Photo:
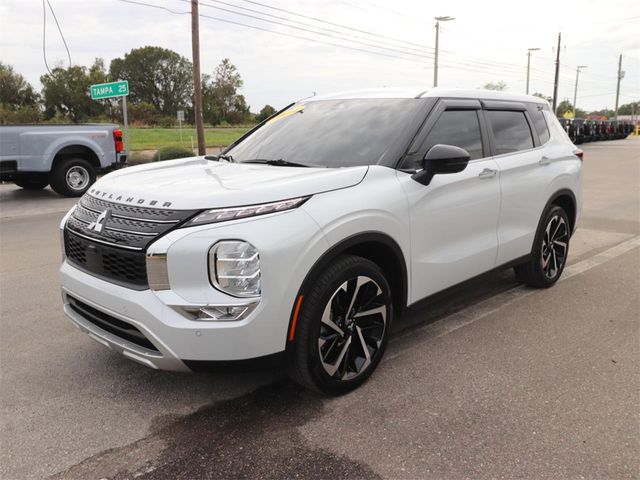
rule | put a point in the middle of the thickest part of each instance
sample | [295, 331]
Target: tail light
[117, 138]
[578, 153]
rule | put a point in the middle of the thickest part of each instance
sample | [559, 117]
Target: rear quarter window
[539, 123]
[511, 131]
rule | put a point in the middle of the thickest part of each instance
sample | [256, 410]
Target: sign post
[180, 120]
[110, 90]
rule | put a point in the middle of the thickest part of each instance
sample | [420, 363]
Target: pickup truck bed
[67, 157]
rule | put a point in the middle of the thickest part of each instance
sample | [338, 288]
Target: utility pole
[575, 91]
[555, 81]
[197, 79]
[620, 77]
[529, 50]
[435, 58]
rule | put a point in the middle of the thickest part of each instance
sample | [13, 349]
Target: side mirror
[442, 159]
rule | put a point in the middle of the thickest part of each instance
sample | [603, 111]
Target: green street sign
[109, 90]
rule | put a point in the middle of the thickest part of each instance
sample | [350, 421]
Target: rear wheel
[72, 177]
[343, 327]
[33, 181]
[550, 250]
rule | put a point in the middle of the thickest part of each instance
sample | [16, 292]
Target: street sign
[109, 90]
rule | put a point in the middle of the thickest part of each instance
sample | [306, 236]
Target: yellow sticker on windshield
[291, 111]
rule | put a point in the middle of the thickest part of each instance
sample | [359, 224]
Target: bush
[171, 152]
[143, 113]
[28, 114]
[166, 121]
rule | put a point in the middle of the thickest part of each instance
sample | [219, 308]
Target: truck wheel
[72, 177]
[32, 181]
[342, 327]
[550, 249]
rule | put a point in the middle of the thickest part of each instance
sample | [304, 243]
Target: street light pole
[556, 77]
[435, 58]
[575, 91]
[620, 77]
[529, 50]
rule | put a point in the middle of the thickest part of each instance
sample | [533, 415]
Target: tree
[499, 86]
[629, 109]
[566, 107]
[221, 101]
[158, 76]
[265, 113]
[605, 112]
[65, 92]
[15, 91]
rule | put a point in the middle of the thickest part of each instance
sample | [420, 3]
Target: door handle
[545, 161]
[487, 173]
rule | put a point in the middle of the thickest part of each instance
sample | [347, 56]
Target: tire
[35, 181]
[340, 363]
[550, 250]
[72, 177]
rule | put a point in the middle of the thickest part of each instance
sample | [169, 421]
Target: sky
[391, 45]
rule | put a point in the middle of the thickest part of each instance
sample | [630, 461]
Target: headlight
[224, 214]
[234, 268]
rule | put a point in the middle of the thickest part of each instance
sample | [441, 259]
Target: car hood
[194, 183]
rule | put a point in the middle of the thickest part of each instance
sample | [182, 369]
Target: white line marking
[491, 305]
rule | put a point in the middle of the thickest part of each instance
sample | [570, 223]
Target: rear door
[524, 173]
[454, 218]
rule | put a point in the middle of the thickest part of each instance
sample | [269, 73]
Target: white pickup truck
[67, 157]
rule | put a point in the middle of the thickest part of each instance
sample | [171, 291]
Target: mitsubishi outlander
[312, 233]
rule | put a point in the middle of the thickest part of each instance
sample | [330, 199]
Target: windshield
[334, 133]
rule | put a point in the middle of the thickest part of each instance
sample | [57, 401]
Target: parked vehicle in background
[67, 157]
[309, 235]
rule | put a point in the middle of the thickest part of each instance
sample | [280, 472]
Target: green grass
[154, 138]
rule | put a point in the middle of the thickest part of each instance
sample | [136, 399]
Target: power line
[254, 27]
[421, 50]
[334, 24]
[44, 34]
[396, 50]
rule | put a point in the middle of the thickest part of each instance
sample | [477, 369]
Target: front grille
[115, 248]
[110, 324]
[124, 267]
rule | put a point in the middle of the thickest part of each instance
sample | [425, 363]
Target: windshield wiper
[221, 156]
[278, 162]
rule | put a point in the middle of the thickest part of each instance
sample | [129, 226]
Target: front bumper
[179, 341]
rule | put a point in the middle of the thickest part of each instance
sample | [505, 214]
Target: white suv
[303, 242]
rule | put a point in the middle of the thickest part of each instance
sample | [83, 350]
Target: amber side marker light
[294, 320]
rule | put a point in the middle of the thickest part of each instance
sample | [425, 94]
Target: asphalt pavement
[494, 380]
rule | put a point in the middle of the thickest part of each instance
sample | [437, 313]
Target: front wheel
[343, 327]
[550, 250]
[72, 177]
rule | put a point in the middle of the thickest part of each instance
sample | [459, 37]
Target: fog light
[219, 313]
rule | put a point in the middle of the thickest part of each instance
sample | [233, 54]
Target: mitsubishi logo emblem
[98, 225]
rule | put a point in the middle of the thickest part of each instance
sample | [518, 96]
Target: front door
[454, 218]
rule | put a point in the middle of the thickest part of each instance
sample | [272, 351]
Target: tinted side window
[511, 131]
[459, 128]
[539, 123]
